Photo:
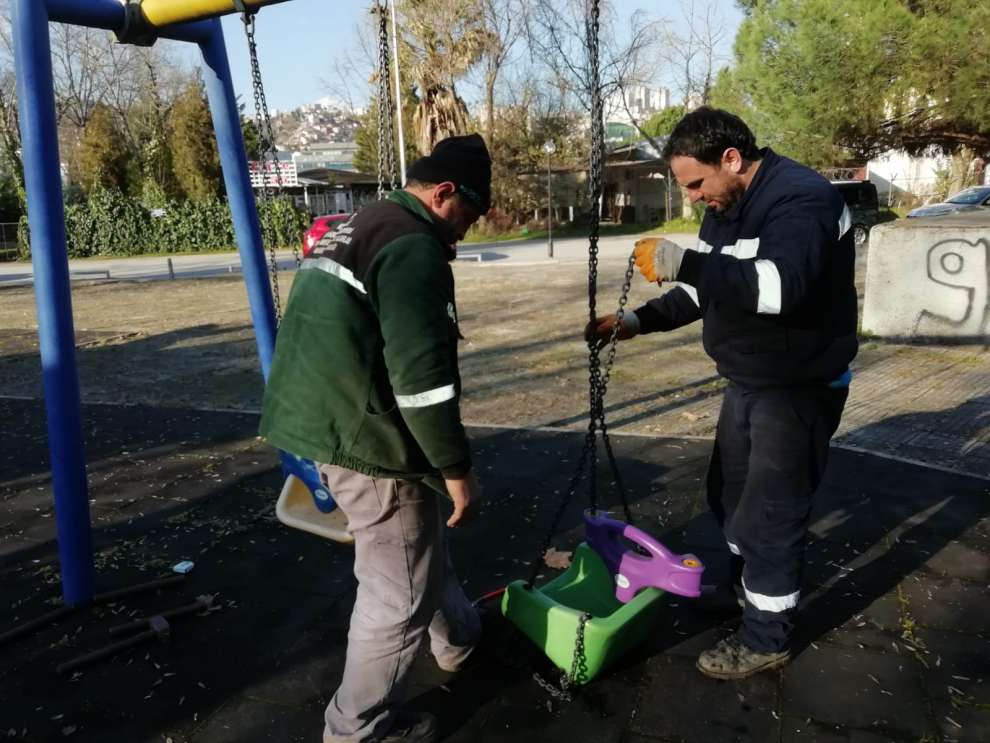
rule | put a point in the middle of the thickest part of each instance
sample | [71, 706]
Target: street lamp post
[549, 147]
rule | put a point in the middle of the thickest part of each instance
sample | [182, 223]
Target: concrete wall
[929, 278]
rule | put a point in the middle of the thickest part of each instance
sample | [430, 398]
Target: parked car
[971, 199]
[864, 206]
[320, 227]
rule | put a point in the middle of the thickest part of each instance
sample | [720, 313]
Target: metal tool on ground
[158, 627]
[100, 598]
[202, 603]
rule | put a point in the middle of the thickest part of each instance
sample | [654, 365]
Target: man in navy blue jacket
[772, 279]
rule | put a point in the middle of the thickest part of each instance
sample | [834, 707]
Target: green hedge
[111, 223]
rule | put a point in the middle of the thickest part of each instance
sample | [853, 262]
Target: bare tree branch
[695, 53]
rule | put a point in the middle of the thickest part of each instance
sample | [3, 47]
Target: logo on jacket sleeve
[451, 312]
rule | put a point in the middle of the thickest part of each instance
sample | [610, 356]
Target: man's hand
[658, 260]
[466, 494]
[600, 331]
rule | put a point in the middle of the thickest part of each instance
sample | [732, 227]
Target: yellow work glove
[658, 260]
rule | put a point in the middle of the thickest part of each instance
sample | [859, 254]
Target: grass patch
[675, 225]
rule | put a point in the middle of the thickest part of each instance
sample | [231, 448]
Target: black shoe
[412, 727]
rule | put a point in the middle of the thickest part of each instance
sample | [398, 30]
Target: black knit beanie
[463, 161]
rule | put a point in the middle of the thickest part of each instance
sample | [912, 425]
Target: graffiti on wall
[957, 293]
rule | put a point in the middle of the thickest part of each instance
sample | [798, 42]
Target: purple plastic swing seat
[679, 574]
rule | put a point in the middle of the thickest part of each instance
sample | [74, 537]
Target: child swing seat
[620, 588]
[306, 504]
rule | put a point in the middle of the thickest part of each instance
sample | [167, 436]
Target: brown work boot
[731, 659]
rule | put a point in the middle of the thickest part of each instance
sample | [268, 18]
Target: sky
[301, 43]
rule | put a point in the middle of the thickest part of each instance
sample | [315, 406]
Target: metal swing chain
[579, 668]
[595, 178]
[598, 377]
[269, 153]
[386, 138]
[599, 374]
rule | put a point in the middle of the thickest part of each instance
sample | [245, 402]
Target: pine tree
[101, 159]
[193, 145]
[662, 123]
[832, 81]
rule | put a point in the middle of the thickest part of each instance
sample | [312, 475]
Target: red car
[320, 227]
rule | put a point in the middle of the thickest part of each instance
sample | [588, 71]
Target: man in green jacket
[365, 382]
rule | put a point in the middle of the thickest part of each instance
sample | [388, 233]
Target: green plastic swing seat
[549, 616]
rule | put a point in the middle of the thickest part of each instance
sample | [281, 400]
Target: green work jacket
[365, 368]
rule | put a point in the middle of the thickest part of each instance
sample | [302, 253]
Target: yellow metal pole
[161, 13]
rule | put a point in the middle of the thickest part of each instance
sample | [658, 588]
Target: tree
[662, 123]
[520, 132]
[366, 136]
[147, 120]
[193, 144]
[441, 41]
[10, 137]
[695, 53]
[558, 41]
[834, 81]
[253, 142]
[504, 27]
[101, 159]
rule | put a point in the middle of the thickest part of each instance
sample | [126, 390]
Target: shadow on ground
[894, 614]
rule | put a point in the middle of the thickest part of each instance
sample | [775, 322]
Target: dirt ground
[898, 557]
[190, 344]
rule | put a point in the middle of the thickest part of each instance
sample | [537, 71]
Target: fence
[8, 241]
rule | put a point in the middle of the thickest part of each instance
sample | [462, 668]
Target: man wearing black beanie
[365, 382]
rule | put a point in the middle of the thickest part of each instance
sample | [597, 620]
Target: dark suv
[864, 205]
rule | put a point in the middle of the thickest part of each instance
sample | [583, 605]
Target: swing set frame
[139, 22]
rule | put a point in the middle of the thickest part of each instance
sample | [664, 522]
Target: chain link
[268, 154]
[579, 663]
[386, 113]
[561, 691]
[598, 373]
[598, 376]
[595, 178]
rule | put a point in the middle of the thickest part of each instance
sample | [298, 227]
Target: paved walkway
[156, 267]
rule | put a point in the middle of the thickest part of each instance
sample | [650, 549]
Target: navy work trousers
[770, 451]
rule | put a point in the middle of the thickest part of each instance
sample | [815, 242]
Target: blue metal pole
[108, 14]
[233, 157]
[56, 335]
